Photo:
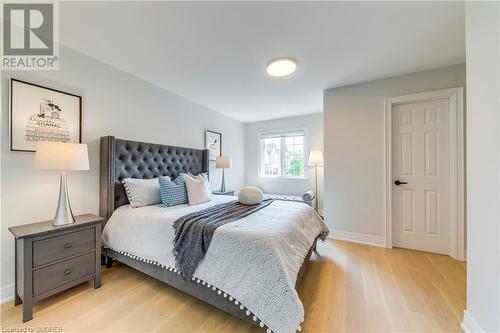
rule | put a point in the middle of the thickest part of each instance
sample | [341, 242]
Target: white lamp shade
[223, 162]
[61, 156]
[315, 157]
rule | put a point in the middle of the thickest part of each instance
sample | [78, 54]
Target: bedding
[197, 190]
[173, 193]
[142, 192]
[204, 175]
[194, 232]
[250, 195]
[255, 259]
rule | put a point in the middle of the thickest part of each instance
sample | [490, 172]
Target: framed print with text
[39, 113]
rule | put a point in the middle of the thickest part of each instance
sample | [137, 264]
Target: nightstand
[51, 259]
[230, 192]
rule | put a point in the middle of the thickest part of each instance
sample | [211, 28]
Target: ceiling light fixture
[281, 67]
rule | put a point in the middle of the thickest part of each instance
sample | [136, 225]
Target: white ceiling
[215, 53]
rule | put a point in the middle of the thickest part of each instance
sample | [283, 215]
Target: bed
[231, 276]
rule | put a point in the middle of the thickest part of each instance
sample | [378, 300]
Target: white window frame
[281, 132]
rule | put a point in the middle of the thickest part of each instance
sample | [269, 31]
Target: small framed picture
[213, 142]
[39, 113]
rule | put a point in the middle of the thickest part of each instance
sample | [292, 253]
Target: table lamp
[316, 158]
[223, 162]
[63, 157]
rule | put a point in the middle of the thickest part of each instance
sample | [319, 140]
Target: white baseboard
[358, 238]
[7, 293]
[469, 325]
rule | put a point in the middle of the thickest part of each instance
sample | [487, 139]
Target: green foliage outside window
[296, 165]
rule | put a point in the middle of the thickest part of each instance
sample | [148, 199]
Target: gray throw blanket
[194, 232]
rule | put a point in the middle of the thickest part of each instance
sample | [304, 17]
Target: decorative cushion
[250, 195]
[205, 176]
[197, 190]
[173, 193]
[142, 192]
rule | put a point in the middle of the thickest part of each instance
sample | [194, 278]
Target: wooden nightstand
[230, 192]
[51, 259]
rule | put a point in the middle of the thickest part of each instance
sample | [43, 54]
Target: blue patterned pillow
[173, 193]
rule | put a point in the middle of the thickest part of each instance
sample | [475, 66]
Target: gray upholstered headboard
[125, 158]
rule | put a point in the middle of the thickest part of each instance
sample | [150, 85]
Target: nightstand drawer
[59, 274]
[60, 247]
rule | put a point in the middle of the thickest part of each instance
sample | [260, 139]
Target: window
[282, 154]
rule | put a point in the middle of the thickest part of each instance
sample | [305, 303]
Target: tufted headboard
[125, 158]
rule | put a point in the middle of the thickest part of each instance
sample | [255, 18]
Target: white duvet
[254, 260]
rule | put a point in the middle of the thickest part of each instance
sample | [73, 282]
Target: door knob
[397, 182]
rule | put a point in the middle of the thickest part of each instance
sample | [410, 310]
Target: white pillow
[198, 191]
[250, 195]
[142, 192]
[205, 176]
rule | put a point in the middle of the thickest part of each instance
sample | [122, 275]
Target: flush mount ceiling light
[281, 67]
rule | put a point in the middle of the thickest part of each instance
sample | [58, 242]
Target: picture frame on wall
[39, 113]
[213, 142]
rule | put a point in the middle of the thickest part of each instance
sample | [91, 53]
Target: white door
[420, 175]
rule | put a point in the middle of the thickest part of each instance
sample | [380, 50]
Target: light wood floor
[347, 288]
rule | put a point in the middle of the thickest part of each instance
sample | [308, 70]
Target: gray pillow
[142, 192]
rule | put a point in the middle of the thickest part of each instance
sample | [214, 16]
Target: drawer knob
[67, 272]
[67, 245]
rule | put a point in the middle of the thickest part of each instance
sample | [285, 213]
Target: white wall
[314, 125]
[115, 103]
[354, 146]
[483, 167]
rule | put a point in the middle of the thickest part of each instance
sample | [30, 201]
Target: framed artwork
[39, 113]
[213, 142]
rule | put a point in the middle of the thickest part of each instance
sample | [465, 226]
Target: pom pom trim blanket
[255, 259]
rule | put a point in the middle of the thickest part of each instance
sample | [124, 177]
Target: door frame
[457, 164]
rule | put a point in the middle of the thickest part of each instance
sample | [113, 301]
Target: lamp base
[64, 214]
[223, 185]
